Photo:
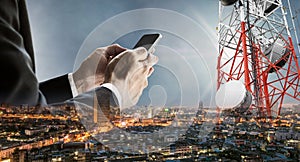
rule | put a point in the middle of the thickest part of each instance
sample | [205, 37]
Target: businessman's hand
[129, 72]
[91, 72]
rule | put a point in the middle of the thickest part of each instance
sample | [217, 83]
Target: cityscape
[37, 134]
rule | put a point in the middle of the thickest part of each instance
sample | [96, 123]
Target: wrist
[78, 82]
[72, 85]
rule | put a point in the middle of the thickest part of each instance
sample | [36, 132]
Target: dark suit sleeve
[102, 98]
[56, 89]
[18, 83]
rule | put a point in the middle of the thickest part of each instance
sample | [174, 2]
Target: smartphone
[149, 41]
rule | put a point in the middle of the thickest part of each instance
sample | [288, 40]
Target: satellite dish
[228, 2]
[233, 95]
[269, 6]
[275, 53]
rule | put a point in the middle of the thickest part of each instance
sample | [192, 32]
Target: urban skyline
[37, 133]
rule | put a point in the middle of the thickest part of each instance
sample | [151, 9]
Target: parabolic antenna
[256, 48]
[276, 53]
[233, 95]
[228, 2]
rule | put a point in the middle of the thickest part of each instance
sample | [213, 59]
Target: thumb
[112, 65]
[114, 50]
[140, 53]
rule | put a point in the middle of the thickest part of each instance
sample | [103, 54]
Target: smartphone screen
[148, 41]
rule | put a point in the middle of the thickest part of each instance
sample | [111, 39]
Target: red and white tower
[256, 49]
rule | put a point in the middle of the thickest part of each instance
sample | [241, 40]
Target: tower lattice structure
[256, 47]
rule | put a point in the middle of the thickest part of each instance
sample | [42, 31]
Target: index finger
[151, 60]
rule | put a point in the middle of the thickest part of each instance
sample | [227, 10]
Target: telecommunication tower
[256, 57]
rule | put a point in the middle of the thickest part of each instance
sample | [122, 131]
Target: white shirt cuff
[72, 84]
[115, 90]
